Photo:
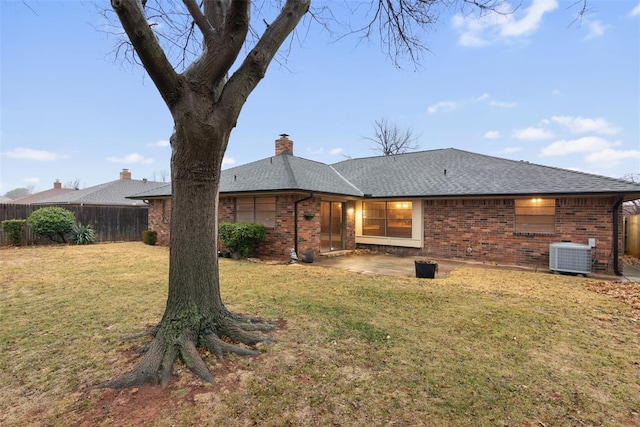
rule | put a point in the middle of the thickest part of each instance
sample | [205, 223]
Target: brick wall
[280, 239]
[483, 230]
[479, 230]
[160, 219]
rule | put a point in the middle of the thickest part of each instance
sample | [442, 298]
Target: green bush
[83, 234]
[241, 237]
[150, 237]
[53, 223]
[12, 229]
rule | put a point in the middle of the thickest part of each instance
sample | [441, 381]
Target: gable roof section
[416, 174]
[452, 172]
[112, 193]
[41, 195]
[286, 172]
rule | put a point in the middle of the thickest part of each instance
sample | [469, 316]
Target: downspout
[295, 220]
[616, 249]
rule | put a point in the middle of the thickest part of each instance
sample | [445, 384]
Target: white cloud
[609, 157]
[30, 154]
[336, 151]
[228, 161]
[469, 39]
[587, 144]
[503, 24]
[502, 104]
[635, 11]
[131, 158]
[492, 134]
[583, 125]
[161, 143]
[556, 92]
[316, 152]
[32, 180]
[510, 150]
[443, 106]
[595, 28]
[448, 106]
[532, 133]
[530, 21]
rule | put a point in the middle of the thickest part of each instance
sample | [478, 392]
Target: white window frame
[417, 223]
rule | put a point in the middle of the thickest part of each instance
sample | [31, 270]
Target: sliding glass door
[332, 226]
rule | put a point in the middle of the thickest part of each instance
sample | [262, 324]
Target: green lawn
[479, 347]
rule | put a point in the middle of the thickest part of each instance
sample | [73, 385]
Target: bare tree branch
[148, 49]
[254, 67]
[204, 25]
[389, 139]
[225, 47]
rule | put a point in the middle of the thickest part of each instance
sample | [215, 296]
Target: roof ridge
[289, 170]
[346, 180]
[382, 156]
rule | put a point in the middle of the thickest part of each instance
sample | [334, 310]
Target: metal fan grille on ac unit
[570, 258]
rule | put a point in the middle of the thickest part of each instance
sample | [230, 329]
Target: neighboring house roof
[5, 200]
[110, 193]
[435, 173]
[42, 195]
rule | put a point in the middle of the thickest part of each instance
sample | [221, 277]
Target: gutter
[616, 249]
[295, 220]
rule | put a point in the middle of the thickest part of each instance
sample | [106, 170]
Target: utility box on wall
[570, 258]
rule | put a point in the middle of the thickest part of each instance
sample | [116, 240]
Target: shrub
[12, 229]
[241, 237]
[150, 237]
[83, 234]
[53, 223]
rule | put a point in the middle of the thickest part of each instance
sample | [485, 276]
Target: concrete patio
[393, 265]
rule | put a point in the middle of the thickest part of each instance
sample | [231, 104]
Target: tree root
[149, 332]
[156, 364]
[250, 323]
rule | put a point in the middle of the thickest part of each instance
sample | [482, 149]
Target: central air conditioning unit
[570, 258]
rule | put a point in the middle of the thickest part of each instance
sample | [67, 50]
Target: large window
[261, 210]
[535, 216]
[387, 219]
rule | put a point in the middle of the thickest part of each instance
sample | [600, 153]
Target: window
[535, 216]
[387, 219]
[261, 210]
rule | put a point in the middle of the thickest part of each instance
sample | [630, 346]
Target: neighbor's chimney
[125, 174]
[57, 185]
[284, 145]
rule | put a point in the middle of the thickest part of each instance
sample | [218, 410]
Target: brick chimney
[284, 145]
[125, 174]
[57, 185]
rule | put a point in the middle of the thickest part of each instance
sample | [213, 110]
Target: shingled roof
[456, 173]
[113, 193]
[57, 190]
[435, 173]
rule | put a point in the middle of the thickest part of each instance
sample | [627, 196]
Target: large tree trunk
[195, 315]
[205, 104]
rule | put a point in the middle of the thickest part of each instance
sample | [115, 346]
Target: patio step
[335, 253]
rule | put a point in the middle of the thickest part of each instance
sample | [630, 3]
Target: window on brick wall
[387, 219]
[535, 216]
[260, 210]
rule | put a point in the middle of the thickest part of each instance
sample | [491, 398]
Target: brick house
[444, 203]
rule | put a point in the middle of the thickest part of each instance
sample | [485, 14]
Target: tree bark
[204, 116]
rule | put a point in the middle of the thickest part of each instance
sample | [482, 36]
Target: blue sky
[530, 86]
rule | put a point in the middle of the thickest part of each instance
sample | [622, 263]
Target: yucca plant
[83, 234]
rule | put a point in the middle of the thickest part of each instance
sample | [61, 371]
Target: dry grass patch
[479, 347]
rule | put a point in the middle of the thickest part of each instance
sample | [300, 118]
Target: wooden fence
[111, 223]
[632, 235]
